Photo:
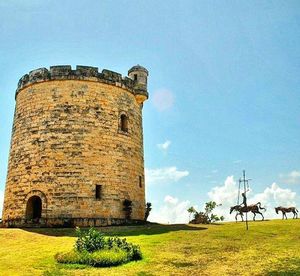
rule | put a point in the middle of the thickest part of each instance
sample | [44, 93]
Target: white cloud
[162, 99]
[271, 197]
[274, 196]
[291, 178]
[164, 175]
[171, 200]
[172, 211]
[1, 201]
[226, 193]
[164, 147]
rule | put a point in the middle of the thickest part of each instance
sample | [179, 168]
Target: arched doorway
[34, 208]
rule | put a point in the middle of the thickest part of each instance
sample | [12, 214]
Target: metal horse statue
[287, 210]
[254, 208]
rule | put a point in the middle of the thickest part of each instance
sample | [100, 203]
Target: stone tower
[77, 148]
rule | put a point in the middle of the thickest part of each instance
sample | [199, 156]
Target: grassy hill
[268, 248]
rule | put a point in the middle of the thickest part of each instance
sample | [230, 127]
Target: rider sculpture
[243, 208]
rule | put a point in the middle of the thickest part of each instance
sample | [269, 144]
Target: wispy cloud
[237, 161]
[163, 99]
[172, 211]
[164, 175]
[291, 178]
[164, 147]
[274, 196]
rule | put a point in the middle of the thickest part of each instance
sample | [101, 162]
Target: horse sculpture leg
[254, 216]
[242, 216]
[295, 214]
[261, 215]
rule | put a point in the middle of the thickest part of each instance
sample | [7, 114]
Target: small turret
[139, 75]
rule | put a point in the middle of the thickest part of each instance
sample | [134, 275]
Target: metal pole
[245, 191]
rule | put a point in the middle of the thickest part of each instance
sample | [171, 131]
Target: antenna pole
[244, 194]
[245, 191]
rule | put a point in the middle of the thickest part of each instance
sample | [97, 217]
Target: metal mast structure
[245, 183]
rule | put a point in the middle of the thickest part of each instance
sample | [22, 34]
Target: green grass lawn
[268, 248]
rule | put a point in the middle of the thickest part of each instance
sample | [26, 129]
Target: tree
[191, 210]
[207, 216]
[148, 209]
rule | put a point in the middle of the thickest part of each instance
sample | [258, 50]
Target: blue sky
[223, 84]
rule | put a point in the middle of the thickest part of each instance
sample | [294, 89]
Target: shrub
[92, 248]
[133, 251]
[147, 211]
[90, 241]
[72, 257]
[108, 258]
[101, 258]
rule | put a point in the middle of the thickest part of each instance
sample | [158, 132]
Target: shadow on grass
[147, 229]
[251, 220]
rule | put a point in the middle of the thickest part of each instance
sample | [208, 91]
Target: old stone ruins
[77, 148]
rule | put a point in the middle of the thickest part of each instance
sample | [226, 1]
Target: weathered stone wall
[67, 139]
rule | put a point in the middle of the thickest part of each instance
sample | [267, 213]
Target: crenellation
[60, 71]
[23, 80]
[88, 73]
[38, 75]
[111, 75]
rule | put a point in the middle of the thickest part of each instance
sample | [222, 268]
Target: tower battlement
[136, 86]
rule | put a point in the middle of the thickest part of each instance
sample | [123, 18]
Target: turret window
[135, 77]
[124, 123]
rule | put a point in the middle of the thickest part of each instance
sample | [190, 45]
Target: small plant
[148, 210]
[93, 248]
[90, 241]
[127, 208]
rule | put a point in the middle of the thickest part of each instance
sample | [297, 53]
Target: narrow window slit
[98, 193]
[124, 123]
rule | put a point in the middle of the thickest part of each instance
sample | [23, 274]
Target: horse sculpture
[287, 210]
[254, 208]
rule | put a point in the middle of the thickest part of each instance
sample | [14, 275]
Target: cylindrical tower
[77, 148]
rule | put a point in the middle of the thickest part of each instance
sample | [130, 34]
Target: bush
[92, 248]
[90, 241]
[147, 211]
[108, 258]
[133, 251]
[72, 257]
[101, 258]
